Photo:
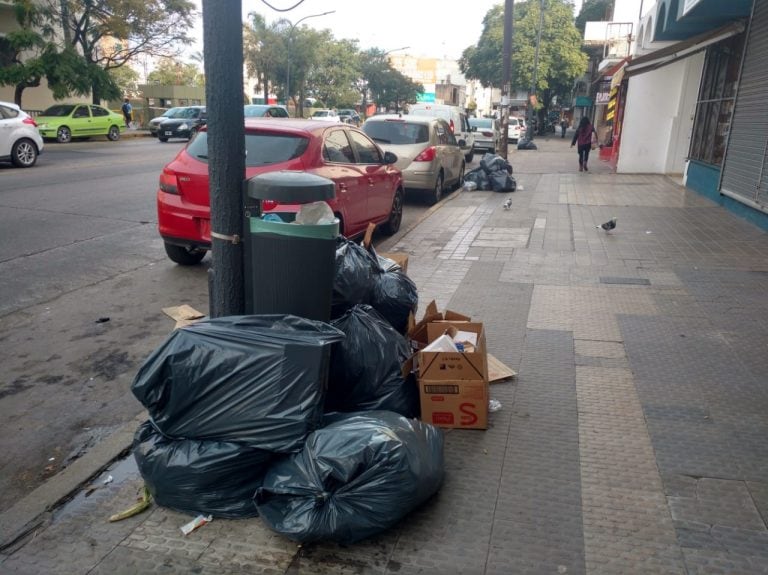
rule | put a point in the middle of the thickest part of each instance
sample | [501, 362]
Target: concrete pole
[509, 16]
[535, 80]
[223, 57]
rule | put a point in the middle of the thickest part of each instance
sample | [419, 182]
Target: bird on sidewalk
[508, 204]
[609, 225]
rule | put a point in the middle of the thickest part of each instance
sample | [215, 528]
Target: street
[84, 280]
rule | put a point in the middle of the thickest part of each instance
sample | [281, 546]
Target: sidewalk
[633, 439]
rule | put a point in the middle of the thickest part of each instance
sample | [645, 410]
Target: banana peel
[141, 505]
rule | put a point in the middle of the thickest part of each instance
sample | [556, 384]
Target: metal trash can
[289, 267]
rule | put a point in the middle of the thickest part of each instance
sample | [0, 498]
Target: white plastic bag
[315, 213]
[442, 343]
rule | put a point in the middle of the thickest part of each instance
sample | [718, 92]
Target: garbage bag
[354, 276]
[526, 144]
[501, 181]
[395, 296]
[492, 163]
[257, 380]
[479, 177]
[355, 477]
[366, 366]
[200, 476]
[385, 264]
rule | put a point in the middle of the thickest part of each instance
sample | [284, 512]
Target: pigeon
[609, 225]
[508, 203]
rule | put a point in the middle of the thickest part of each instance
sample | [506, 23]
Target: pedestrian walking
[127, 112]
[586, 137]
[563, 127]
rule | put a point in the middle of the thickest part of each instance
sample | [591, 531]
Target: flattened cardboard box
[465, 366]
[454, 404]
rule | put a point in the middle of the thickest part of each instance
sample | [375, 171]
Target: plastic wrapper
[315, 213]
[479, 178]
[258, 380]
[395, 296]
[470, 186]
[200, 476]
[354, 478]
[354, 277]
[366, 367]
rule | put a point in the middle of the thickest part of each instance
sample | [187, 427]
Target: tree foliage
[170, 72]
[593, 11]
[561, 58]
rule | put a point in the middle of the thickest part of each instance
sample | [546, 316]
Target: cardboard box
[400, 258]
[454, 404]
[470, 365]
[417, 332]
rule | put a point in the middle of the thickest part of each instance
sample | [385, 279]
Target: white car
[20, 141]
[325, 116]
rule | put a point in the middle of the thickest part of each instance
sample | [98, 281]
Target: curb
[34, 510]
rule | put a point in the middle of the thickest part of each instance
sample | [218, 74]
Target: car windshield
[321, 114]
[399, 133]
[484, 123]
[261, 148]
[255, 111]
[169, 113]
[184, 113]
[513, 121]
[59, 110]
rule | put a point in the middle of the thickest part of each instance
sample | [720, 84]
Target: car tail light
[452, 127]
[29, 121]
[267, 205]
[169, 182]
[427, 155]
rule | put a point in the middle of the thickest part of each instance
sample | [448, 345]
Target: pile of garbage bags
[494, 173]
[305, 423]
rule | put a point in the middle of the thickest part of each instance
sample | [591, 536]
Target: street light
[290, 40]
[396, 50]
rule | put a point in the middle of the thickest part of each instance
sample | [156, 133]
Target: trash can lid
[291, 187]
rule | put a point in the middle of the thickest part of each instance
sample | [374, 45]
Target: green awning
[583, 102]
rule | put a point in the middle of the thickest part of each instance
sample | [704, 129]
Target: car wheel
[437, 191]
[392, 225]
[468, 158]
[63, 135]
[113, 134]
[24, 153]
[163, 139]
[185, 256]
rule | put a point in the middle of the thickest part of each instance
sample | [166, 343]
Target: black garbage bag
[257, 380]
[200, 476]
[355, 477]
[395, 296]
[385, 264]
[526, 144]
[501, 181]
[479, 177]
[366, 366]
[491, 163]
[354, 277]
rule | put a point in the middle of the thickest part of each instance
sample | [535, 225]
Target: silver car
[428, 154]
[487, 133]
[20, 141]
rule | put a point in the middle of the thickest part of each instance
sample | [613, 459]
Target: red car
[368, 186]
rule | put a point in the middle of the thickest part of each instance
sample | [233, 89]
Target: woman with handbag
[586, 137]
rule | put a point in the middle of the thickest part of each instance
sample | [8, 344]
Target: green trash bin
[290, 267]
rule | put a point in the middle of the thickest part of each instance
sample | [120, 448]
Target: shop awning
[583, 102]
[681, 50]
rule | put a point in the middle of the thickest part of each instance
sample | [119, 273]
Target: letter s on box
[468, 417]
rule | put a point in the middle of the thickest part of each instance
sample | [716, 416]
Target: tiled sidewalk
[632, 441]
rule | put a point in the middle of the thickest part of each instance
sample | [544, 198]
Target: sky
[432, 28]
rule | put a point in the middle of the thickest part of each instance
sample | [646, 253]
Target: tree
[397, 90]
[107, 34]
[593, 11]
[173, 73]
[126, 79]
[561, 58]
[264, 53]
[333, 78]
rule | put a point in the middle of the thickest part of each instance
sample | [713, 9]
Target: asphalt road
[84, 280]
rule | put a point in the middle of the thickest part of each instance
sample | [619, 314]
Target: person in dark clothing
[563, 127]
[584, 137]
[127, 112]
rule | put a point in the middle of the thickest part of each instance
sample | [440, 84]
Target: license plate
[168, 133]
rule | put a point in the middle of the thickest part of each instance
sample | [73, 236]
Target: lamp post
[290, 41]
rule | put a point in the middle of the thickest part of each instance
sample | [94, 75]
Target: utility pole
[509, 15]
[223, 59]
[535, 77]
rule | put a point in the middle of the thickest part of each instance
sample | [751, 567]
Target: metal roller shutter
[745, 169]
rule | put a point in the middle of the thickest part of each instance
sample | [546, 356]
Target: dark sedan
[183, 123]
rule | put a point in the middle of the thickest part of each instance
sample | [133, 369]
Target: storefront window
[716, 96]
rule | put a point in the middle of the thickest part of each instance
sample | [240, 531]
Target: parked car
[487, 133]
[20, 141]
[183, 123]
[457, 120]
[428, 154]
[369, 187]
[155, 122]
[514, 131]
[265, 111]
[325, 115]
[67, 121]
[349, 116]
